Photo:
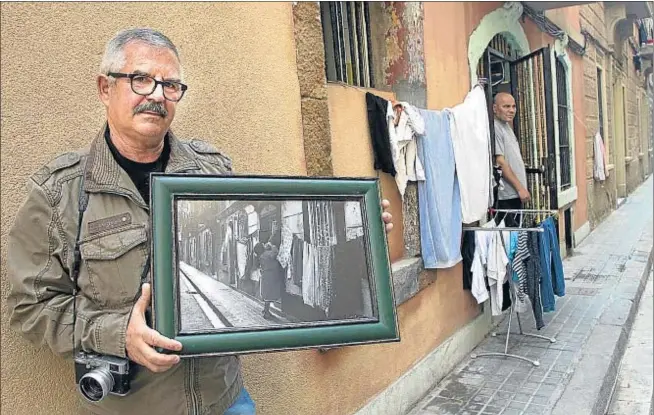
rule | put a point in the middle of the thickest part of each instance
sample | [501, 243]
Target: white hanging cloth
[404, 150]
[472, 153]
[600, 167]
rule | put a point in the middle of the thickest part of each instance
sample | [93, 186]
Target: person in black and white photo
[272, 275]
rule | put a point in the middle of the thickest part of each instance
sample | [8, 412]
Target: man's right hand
[141, 339]
[524, 195]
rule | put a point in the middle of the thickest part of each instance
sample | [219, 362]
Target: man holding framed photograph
[78, 252]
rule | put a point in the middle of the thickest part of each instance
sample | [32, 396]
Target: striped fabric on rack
[519, 265]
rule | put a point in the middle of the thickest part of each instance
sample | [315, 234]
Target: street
[211, 304]
[633, 393]
[602, 358]
[196, 314]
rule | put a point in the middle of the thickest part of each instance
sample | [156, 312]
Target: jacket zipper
[195, 407]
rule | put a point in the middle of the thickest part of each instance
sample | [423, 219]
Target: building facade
[617, 67]
[280, 87]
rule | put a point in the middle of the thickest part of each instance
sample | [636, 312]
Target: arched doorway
[503, 21]
[500, 53]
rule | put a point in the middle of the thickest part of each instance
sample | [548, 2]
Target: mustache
[155, 107]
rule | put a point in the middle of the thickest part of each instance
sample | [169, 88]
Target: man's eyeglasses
[145, 85]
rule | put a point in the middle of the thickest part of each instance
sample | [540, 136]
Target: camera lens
[96, 384]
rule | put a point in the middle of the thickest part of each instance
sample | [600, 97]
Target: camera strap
[82, 204]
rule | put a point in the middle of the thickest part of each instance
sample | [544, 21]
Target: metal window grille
[565, 166]
[501, 51]
[502, 45]
[348, 51]
[532, 87]
[600, 103]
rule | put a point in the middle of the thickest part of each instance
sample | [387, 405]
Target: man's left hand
[386, 216]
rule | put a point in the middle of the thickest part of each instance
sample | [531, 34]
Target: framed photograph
[244, 264]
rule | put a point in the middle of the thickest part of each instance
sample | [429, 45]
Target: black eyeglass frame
[131, 77]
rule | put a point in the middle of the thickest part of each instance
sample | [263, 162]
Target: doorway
[529, 79]
[567, 225]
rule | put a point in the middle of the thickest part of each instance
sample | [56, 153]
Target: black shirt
[140, 172]
[381, 142]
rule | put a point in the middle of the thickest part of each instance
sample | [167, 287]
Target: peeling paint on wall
[404, 60]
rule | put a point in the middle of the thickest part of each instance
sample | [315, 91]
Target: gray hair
[114, 53]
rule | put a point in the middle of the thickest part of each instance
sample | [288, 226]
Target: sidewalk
[605, 279]
[633, 393]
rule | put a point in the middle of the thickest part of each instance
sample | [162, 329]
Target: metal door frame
[544, 174]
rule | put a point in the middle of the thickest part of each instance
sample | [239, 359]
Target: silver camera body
[99, 375]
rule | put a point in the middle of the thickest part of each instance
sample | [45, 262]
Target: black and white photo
[243, 264]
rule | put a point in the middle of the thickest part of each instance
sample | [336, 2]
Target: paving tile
[474, 407]
[444, 406]
[522, 397]
[504, 395]
[518, 378]
[472, 379]
[530, 386]
[480, 399]
[487, 391]
[540, 400]
[517, 405]
[546, 390]
[536, 378]
[535, 410]
[497, 401]
[492, 410]
[492, 384]
[438, 400]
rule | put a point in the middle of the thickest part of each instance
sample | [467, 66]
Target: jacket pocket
[114, 263]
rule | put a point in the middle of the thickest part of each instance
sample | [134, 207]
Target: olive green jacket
[114, 243]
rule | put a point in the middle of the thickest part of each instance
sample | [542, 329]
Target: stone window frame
[604, 105]
[559, 52]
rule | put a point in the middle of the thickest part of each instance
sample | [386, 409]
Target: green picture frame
[171, 311]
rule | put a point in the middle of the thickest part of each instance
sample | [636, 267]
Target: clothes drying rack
[512, 291]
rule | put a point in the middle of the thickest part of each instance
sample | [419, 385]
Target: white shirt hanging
[490, 262]
[471, 143]
[496, 271]
[403, 144]
[600, 171]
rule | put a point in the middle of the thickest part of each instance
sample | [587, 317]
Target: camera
[99, 375]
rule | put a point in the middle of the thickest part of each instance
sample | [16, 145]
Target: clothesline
[448, 153]
[553, 212]
[505, 229]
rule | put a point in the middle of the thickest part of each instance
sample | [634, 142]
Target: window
[600, 103]
[624, 123]
[564, 127]
[346, 33]
[640, 122]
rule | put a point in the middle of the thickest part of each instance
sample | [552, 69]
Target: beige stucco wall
[239, 61]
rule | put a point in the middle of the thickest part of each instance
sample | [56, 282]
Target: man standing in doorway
[513, 194]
